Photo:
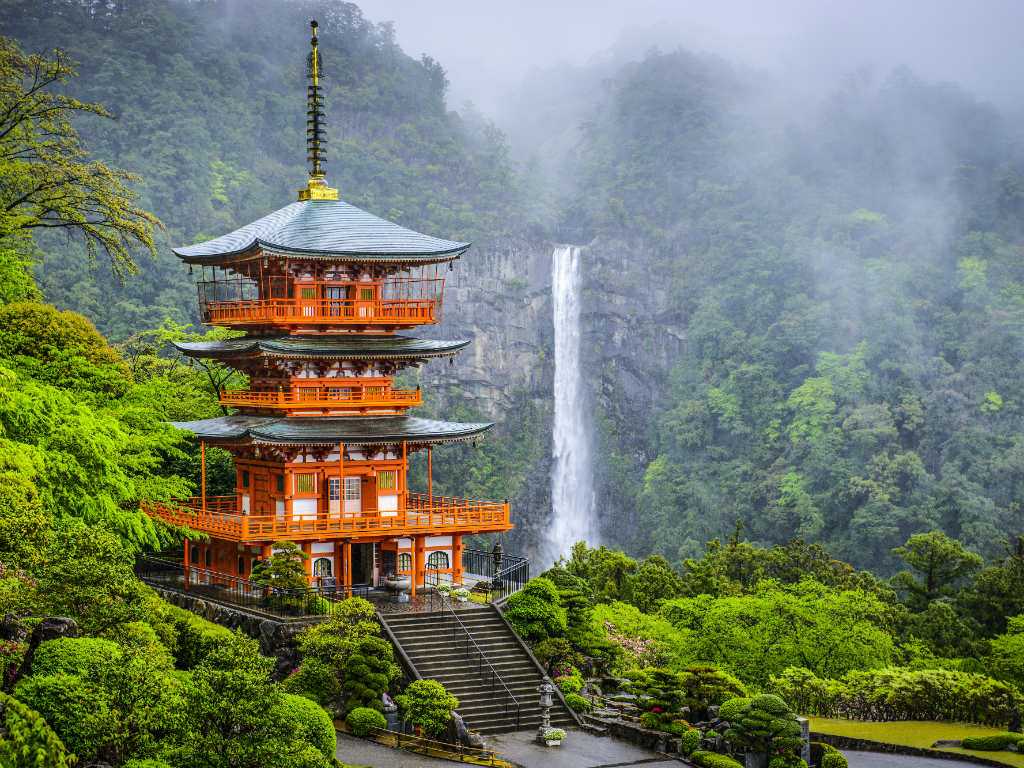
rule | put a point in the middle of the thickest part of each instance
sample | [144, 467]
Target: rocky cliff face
[499, 295]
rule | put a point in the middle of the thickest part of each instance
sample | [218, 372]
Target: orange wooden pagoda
[322, 437]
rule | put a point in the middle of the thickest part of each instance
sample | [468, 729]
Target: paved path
[579, 750]
[353, 751]
[884, 760]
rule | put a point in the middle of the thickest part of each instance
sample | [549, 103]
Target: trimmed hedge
[706, 759]
[994, 742]
[901, 694]
[74, 656]
[362, 720]
[196, 637]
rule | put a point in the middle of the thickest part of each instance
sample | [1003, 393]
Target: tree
[46, 180]
[26, 740]
[426, 703]
[286, 568]
[1006, 658]
[938, 564]
[654, 580]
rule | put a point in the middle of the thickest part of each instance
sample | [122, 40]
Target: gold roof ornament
[316, 187]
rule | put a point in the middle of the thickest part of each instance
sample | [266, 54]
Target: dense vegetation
[849, 281]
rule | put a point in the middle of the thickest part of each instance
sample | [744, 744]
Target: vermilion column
[187, 563]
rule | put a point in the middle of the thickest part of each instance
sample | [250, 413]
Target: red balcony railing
[329, 397]
[223, 519]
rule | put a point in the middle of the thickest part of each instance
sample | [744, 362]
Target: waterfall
[572, 492]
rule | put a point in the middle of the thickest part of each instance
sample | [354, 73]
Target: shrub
[765, 724]
[308, 721]
[27, 741]
[732, 708]
[427, 704]
[368, 672]
[554, 734]
[362, 720]
[707, 759]
[316, 680]
[993, 742]
[704, 686]
[787, 760]
[659, 690]
[572, 683]
[832, 757]
[147, 763]
[690, 741]
[650, 720]
[196, 637]
[557, 652]
[74, 656]
[536, 612]
[578, 703]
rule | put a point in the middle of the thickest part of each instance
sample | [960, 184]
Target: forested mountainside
[801, 316]
[208, 105]
[849, 283]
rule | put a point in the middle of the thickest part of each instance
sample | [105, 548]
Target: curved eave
[258, 248]
[256, 348]
[367, 430]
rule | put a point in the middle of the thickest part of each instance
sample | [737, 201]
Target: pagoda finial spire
[316, 188]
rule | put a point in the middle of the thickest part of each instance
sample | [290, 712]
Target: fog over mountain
[488, 47]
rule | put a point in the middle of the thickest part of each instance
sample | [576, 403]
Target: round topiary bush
[362, 720]
[690, 741]
[833, 758]
[650, 720]
[732, 709]
[308, 721]
[74, 656]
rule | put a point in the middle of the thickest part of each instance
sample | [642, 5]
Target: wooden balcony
[380, 313]
[437, 515]
[343, 397]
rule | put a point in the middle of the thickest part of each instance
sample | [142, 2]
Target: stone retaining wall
[658, 741]
[276, 637]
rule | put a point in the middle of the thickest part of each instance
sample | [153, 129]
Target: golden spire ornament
[316, 187]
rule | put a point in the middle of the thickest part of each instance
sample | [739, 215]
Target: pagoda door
[308, 301]
[335, 300]
[353, 496]
[365, 300]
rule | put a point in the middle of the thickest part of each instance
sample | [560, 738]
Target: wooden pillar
[457, 558]
[404, 480]
[187, 562]
[307, 550]
[346, 572]
[341, 483]
[430, 475]
[418, 558]
[202, 472]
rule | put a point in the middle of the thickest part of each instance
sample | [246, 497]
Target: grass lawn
[915, 733]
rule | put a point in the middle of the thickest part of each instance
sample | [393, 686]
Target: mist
[489, 48]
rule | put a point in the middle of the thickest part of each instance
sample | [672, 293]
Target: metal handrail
[481, 657]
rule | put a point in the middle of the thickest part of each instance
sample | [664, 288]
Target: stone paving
[579, 750]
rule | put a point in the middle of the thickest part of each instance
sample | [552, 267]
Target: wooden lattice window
[366, 294]
[438, 561]
[353, 489]
[334, 489]
[305, 482]
[387, 480]
[307, 293]
[404, 561]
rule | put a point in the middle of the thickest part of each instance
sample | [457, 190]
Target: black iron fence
[506, 573]
[320, 600]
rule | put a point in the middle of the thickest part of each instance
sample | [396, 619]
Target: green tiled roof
[347, 347]
[357, 430]
[326, 228]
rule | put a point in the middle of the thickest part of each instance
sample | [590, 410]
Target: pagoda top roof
[353, 430]
[337, 347]
[326, 229]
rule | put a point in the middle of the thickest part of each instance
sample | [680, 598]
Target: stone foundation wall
[276, 637]
[865, 745]
[659, 741]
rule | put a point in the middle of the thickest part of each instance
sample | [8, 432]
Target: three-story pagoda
[322, 437]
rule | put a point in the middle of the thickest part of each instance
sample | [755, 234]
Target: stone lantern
[547, 700]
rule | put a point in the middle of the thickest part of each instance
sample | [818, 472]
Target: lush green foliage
[426, 703]
[362, 720]
[368, 672]
[578, 703]
[902, 694]
[536, 611]
[26, 741]
[690, 741]
[706, 759]
[992, 743]
[1006, 659]
[764, 723]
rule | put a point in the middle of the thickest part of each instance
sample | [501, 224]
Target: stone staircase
[427, 640]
